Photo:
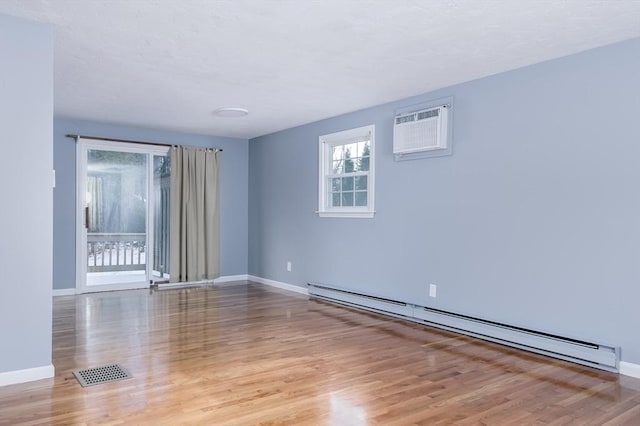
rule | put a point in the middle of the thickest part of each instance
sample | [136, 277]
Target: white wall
[26, 163]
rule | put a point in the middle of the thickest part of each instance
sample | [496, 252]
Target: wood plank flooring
[252, 355]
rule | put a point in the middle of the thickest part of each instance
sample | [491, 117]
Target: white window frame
[326, 143]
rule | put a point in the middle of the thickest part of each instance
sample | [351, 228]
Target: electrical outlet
[289, 266]
[433, 290]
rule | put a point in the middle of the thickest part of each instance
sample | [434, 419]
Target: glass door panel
[161, 192]
[116, 217]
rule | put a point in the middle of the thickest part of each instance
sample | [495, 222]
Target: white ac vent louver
[420, 131]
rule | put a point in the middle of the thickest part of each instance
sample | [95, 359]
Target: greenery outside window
[346, 179]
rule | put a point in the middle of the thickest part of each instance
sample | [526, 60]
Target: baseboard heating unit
[582, 352]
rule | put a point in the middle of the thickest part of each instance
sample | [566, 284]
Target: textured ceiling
[169, 64]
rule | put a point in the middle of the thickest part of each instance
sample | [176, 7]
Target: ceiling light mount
[231, 112]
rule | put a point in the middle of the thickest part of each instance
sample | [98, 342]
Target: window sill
[349, 214]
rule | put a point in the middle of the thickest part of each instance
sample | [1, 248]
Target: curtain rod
[98, 138]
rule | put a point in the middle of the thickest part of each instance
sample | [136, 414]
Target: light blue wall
[26, 118]
[234, 177]
[533, 221]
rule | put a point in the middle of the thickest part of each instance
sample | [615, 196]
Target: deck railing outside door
[109, 252]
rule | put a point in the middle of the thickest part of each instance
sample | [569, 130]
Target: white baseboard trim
[26, 375]
[278, 284]
[64, 292]
[220, 280]
[113, 287]
[630, 369]
[230, 278]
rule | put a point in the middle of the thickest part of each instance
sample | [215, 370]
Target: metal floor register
[103, 374]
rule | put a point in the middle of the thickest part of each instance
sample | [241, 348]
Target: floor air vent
[579, 351]
[104, 374]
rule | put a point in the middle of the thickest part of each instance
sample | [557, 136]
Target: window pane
[347, 198]
[335, 200]
[347, 184]
[356, 164]
[363, 162]
[351, 147]
[335, 185]
[338, 153]
[361, 198]
[348, 161]
[361, 182]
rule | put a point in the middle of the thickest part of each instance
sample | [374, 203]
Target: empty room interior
[330, 212]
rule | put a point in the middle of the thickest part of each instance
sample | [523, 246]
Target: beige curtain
[194, 244]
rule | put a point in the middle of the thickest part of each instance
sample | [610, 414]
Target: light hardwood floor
[248, 354]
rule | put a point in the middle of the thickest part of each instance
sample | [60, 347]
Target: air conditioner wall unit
[421, 131]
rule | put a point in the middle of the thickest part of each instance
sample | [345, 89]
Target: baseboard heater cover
[364, 301]
[592, 354]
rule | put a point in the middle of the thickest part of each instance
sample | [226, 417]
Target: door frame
[82, 148]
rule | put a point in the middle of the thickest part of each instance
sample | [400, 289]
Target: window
[346, 173]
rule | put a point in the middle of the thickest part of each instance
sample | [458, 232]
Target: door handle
[86, 217]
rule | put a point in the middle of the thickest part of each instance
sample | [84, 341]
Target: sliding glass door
[161, 191]
[123, 213]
